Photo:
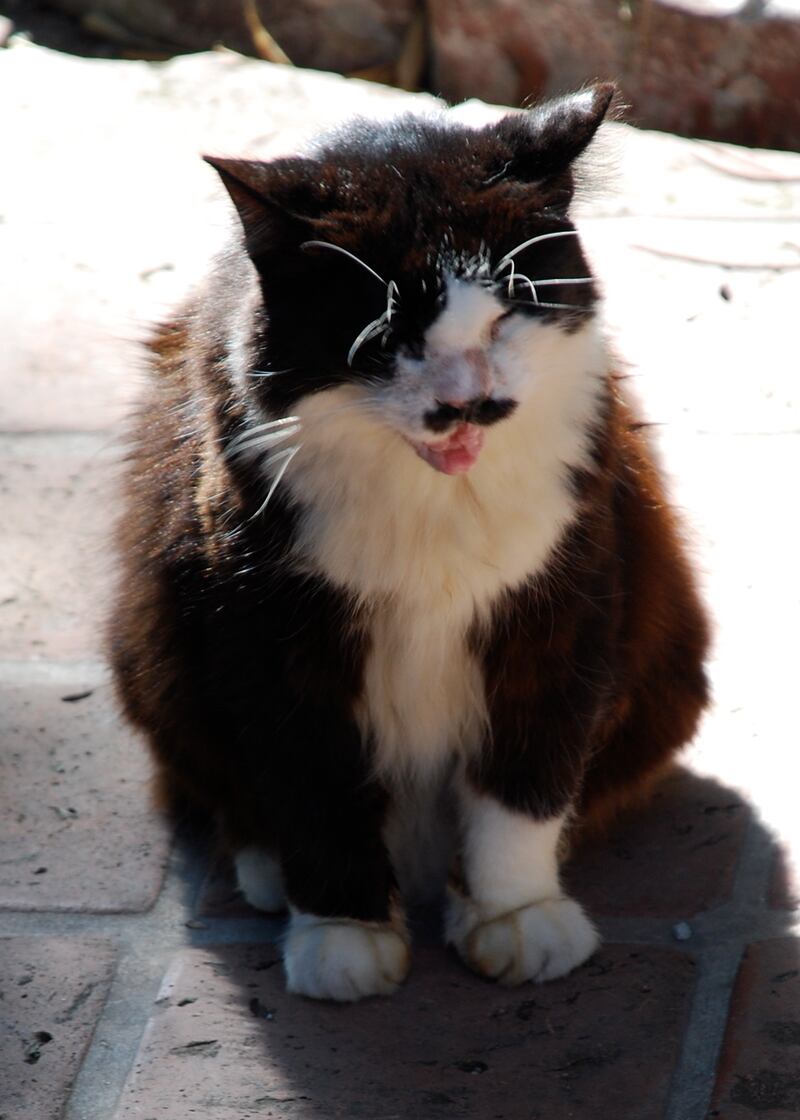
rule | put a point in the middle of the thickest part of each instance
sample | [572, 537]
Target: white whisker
[369, 331]
[256, 430]
[262, 442]
[268, 372]
[510, 280]
[525, 280]
[391, 300]
[287, 455]
[568, 280]
[345, 252]
[559, 306]
[532, 241]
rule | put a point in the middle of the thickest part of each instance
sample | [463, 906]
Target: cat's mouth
[454, 453]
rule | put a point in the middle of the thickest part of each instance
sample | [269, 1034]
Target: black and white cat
[396, 555]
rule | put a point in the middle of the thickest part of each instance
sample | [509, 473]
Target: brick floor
[759, 1069]
[52, 992]
[128, 991]
[232, 1042]
[678, 858]
[77, 831]
[54, 559]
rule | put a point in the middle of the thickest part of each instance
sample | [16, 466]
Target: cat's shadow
[449, 1044]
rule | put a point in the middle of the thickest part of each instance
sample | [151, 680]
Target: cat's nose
[458, 377]
[480, 410]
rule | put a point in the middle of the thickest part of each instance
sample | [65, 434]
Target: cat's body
[465, 596]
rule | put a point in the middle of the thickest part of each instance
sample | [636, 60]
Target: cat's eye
[494, 330]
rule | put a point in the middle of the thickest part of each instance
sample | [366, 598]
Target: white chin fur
[338, 959]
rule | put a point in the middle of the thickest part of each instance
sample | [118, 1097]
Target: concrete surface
[133, 989]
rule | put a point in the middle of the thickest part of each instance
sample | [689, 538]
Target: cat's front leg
[346, 937]
[328, 955]
[511, 921]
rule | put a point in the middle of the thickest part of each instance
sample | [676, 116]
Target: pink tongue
[456, 453]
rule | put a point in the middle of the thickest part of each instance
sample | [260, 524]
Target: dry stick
[773, 266]
[264, 44]
[747, 168]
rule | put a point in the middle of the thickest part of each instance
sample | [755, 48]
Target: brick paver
[230, 1042]
[759, 1071]
[52, 991]
[77, 831]
[54, 558]
[678, 858]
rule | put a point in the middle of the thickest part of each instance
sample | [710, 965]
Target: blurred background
[717, 69]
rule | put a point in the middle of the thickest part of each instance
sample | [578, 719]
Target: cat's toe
[260, 879]
[343, 960]
[539, 942]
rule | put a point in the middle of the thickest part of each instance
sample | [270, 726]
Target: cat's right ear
[276, 201]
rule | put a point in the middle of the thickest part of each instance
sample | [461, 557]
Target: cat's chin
[454, 453]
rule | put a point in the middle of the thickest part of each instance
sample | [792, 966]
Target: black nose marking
[481, 410]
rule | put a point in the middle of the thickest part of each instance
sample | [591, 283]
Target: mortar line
[694, 1076]
[718, 963]
[145, 948]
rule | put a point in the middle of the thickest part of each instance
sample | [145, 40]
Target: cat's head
[429, 263]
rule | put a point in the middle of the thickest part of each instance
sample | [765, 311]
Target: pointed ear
[276, 200]
[546, 139]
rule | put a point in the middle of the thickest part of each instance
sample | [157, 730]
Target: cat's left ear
[545, 140]
[277, 201]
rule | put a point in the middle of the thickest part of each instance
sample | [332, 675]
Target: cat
[401, 591]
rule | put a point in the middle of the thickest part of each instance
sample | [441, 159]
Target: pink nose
[459, 378]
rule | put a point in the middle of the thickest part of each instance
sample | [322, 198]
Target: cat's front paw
[541, 941]
[325, 958]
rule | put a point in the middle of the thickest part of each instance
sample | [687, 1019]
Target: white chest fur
[426, 555]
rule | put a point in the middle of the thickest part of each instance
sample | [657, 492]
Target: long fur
[329, 627]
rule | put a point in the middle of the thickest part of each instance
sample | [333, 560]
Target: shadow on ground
[449, 1044]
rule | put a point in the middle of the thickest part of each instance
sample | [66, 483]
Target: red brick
[76, 828]
[54, 565]
[228, 1041]
[759, 1070]
[52, 991]
[673, 858]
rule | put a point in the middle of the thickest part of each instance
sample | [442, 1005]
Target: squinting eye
[494, 330]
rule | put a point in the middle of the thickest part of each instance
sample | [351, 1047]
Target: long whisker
[278, 422]
[559, 306]
[525, 280]
[510, 280]
[287, 455]
[532, 241]
[369, 331]
[346, 252]
[392, 291]
[268, 372]
[270, 426]
[568, 280]
[263, 442]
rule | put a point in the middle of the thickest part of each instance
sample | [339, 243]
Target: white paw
[342, 960]
[538, 942]
[260, 879]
